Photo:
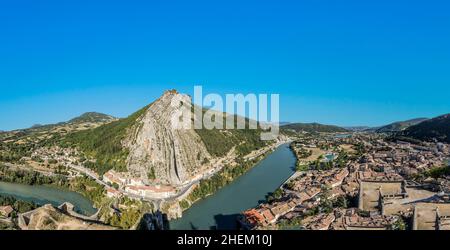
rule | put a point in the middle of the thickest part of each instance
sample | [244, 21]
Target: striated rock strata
[160, 153]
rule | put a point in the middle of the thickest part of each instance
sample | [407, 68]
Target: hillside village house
[157, 191]
[113, 177]
[112, 193]
[136, 186]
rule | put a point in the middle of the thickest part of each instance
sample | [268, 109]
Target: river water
[44, 195]
[220, 210]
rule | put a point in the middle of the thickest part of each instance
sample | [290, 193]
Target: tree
[277, 194]
[398, 224]
[184, 204]
[151, 173]
[301, 167]
[340, 202]
[290, 185]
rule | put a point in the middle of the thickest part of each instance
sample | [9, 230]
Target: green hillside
[313, 127]
[437, 128]
[220, 141]
[104, 143]
[399, 126]
[91, 117]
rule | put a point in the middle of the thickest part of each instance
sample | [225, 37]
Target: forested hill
[146, 145]
[437, 128]
[313, 127]
[399, 126]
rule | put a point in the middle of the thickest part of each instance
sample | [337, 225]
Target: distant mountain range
[399, 126]
[358, 128]
[88, 117]
[317, 127]
[313, 127]
[433, 129]
[283, 123]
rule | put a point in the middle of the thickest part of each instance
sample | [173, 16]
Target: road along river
[220, 210]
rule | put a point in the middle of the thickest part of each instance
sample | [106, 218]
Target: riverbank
[42, 195]
[222, 176]
[252, 163]
[220, 210]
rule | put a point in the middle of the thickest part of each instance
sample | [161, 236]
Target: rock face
[160, 153]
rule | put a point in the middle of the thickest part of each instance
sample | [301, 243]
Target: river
[220, 210]
[45, 194]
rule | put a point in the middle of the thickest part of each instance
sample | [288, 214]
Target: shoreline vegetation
[89, 189]
[128, 218]
[45, 155]
[221, 179]
[319, 164]
[83, 185]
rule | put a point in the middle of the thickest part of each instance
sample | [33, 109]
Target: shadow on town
[222, 222]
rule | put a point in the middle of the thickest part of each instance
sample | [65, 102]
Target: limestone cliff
[158, 152]
[146, 145]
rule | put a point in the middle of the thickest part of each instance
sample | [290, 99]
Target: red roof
[268, 215]
[253, 216]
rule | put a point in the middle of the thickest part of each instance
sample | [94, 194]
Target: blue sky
[334, 62]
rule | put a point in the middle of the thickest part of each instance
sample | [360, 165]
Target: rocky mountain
[434, 129]
[154, 146]
[399, 126]
[313, 127]
[146, 146]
